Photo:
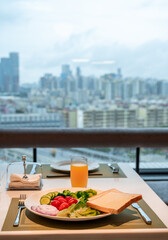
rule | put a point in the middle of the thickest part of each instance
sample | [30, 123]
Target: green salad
[71, 204]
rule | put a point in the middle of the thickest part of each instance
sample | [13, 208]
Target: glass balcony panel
[154, 158]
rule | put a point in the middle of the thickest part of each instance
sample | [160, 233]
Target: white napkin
[18, 182]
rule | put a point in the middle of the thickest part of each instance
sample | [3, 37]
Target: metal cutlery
[21, 205]
[142, 213]
[95, 174]
[68, 175]
[114, 169]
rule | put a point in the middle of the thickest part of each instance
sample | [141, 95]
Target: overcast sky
[104, 34]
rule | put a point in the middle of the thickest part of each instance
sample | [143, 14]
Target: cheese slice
[112, 201]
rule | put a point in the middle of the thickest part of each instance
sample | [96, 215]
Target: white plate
[64, 166]
[34, 200]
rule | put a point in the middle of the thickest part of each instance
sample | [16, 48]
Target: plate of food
[79, 204]
[64, 204]
[64, 166]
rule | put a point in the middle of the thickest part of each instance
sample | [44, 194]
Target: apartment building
[101, 118]
[154, 116]
[33, 120]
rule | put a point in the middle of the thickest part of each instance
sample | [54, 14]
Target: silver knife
[33, 170]
[68, 175]
[142, 213]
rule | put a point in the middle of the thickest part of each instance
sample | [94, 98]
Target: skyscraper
[9, 73]
[65, 74]
[79, 78]
[66, 69]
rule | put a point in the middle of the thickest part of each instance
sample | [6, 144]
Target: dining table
[106, 228]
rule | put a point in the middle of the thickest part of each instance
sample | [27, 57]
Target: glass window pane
[69, 66]
[97, 155]
[154, 158]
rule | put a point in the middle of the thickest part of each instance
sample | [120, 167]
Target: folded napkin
[18, 182]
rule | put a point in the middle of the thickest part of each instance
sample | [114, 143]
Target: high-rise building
[79, 78]
[66, 69]
[9, 73]
[65, 76]
[48, 81]
[108, 90]
[119, 74]
[103, 118]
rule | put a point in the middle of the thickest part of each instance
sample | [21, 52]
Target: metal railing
[65, 138]
[154, 137]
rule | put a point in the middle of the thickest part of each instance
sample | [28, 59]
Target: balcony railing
[65, 138]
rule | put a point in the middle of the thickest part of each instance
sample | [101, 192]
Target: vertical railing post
[34, 154]
[137, 159]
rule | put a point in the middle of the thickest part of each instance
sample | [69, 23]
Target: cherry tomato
[59, 197]
[72, 201]
[68, 198]
[55, 203]
[62, 200]
[63, 206]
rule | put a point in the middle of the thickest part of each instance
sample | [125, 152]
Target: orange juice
[79, 174]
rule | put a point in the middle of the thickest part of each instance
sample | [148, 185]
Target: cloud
[50, 33]
[148, 60]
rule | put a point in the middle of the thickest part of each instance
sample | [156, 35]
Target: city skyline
[10, 79]
[131, 35]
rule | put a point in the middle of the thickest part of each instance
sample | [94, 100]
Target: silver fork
[21, 205]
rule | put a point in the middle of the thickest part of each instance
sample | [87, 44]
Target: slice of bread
[112, 201]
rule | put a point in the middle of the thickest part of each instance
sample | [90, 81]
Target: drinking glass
[79, 171]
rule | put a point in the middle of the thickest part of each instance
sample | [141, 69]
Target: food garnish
[45, 209]
[67, 204]
[85, 203]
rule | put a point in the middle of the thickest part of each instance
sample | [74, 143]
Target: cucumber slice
[55, 194]
[46, 195]
[45, 200]
[50, 194]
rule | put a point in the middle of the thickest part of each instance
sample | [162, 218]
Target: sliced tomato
[63, 206]
[68, 198]
[55, 203]
[62, 200]
[72, 201]
[59, 197]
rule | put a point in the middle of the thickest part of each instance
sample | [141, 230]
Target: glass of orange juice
[79, 171]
